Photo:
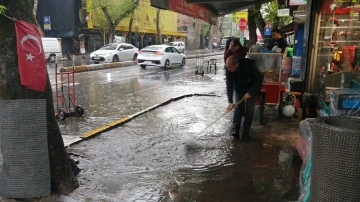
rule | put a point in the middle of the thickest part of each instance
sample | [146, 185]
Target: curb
[124, 120]
[94, 67]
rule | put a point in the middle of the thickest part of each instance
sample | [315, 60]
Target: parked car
[178, 45]
[224, 40]
[161, 56]
[52, 48]
[115, 52]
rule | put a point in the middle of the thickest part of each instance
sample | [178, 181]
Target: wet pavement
[148, 159]
[108, 95]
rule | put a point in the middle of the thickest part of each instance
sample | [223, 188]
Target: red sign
[192, 10]
[242, 24]
[31, 57]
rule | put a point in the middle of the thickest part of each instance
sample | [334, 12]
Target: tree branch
[126, 13]
[107, 16]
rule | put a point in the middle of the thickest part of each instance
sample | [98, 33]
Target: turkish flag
[31, 57]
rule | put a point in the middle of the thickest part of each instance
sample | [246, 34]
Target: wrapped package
[303, 145]
[269, 64]
[345, 102]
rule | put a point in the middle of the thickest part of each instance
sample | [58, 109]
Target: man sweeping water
[245, 78]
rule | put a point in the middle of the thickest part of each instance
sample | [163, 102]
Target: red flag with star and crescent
[31, 57]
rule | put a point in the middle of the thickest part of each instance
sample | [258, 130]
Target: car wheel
[167, 64]
[116, 58]
[183, 62]
[135, 56]
[143, 66]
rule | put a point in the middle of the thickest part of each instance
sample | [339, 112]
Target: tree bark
[221, 27]
[158, 31]
[208, 36]
[260, 22]
[113, 23]
[63, 169]
[252, 29]
[131, 21]
[35, 7]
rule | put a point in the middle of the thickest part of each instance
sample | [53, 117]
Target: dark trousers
[246, 108]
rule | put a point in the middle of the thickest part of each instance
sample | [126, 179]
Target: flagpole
[13, 19]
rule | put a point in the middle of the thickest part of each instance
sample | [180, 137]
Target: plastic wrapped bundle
[335, 157]
[345, 102]
[303, 145]
[305, 180]
[269, 65]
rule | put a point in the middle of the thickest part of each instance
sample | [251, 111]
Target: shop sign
[47, 22]
[242, 24]
[297, 2]
[192, 10]
[268, 31]
[241, 14]
[283, 12]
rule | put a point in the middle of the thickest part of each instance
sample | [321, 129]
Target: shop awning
[224, 7]
[207, 10]
[287, 29]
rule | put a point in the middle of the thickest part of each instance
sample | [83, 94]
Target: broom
[191, 139]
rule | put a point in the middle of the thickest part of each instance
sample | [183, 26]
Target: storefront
[334, 41]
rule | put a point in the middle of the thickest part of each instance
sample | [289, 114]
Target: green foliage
[232, 17]
[114, 8]
[270, 11]
[205, 29]
[2, 9]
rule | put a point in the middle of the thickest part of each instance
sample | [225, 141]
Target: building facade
[143, 31]
[196, 30]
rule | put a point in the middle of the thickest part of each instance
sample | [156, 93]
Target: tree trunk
[131, 21]
[158, 31]
[221, 27]
[252, 29]
[260, 23]
[201, 42]
[111, 34]
[36, 2]
[63, 169]
[208, 36]
[113, 23]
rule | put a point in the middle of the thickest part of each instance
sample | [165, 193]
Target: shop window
[337, 51]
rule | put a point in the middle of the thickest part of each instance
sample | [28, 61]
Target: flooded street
[148, 160]
[151, 158]
[111, 94]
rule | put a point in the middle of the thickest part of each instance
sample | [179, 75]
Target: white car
[115, 52]
[161, 56]
[179, 45]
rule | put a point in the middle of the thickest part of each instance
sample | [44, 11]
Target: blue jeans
[246, 108]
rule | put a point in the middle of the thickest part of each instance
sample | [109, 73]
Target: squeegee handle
[234, 106]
